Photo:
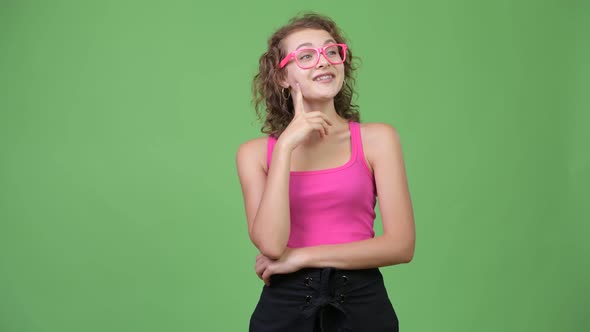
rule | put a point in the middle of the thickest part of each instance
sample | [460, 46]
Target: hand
[303, 123]
[262, 263]
[290, 261]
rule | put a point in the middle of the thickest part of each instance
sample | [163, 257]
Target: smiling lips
[325, 77]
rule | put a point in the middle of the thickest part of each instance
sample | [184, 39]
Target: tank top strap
[355, 137]
[269, 148]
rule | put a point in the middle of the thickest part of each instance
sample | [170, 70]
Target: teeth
[324, 77]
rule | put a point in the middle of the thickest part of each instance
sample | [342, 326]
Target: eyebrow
[310, 44]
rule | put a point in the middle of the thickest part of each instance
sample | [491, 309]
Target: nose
[323, 61]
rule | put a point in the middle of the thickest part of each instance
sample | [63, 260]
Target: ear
[284, 84]
[283, 81]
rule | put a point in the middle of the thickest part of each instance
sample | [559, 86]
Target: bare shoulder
[252, 152]
[254, 145]
[378, 132]
[379, 140]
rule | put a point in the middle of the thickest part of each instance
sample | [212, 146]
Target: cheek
[341, 70]
[295, 75]
[342, 77]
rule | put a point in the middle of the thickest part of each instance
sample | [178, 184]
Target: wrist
[304, 257]
[282, 147]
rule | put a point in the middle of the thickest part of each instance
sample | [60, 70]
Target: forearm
[271, 227]
[376, 252]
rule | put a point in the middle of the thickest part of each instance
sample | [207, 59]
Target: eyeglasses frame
[318, 50]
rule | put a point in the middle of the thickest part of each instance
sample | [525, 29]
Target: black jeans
[325, 299]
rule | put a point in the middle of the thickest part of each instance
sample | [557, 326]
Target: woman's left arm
[383, 150]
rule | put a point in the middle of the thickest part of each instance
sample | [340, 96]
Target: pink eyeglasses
[309, 57]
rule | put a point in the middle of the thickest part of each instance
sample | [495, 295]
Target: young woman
[310, 187]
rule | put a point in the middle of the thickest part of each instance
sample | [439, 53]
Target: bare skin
[268, 219]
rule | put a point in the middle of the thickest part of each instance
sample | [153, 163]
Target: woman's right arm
[266, 196]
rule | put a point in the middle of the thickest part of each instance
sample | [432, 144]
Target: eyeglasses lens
[308, 58]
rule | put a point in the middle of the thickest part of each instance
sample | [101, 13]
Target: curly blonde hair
[268, 98]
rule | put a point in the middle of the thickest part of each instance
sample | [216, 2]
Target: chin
[324, 94]
[321, 97]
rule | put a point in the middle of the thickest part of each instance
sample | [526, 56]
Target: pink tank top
[334, 205]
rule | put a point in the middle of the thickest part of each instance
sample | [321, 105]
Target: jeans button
[345, 279]
[308, 281]
[308, 299]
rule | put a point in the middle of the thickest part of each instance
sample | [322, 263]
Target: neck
[326, 107]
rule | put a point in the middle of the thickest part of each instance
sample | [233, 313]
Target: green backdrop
[120, 206]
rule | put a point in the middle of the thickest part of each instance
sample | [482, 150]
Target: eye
[333, 51]
[306, 55]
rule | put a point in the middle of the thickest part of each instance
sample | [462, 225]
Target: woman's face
[313, 81]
